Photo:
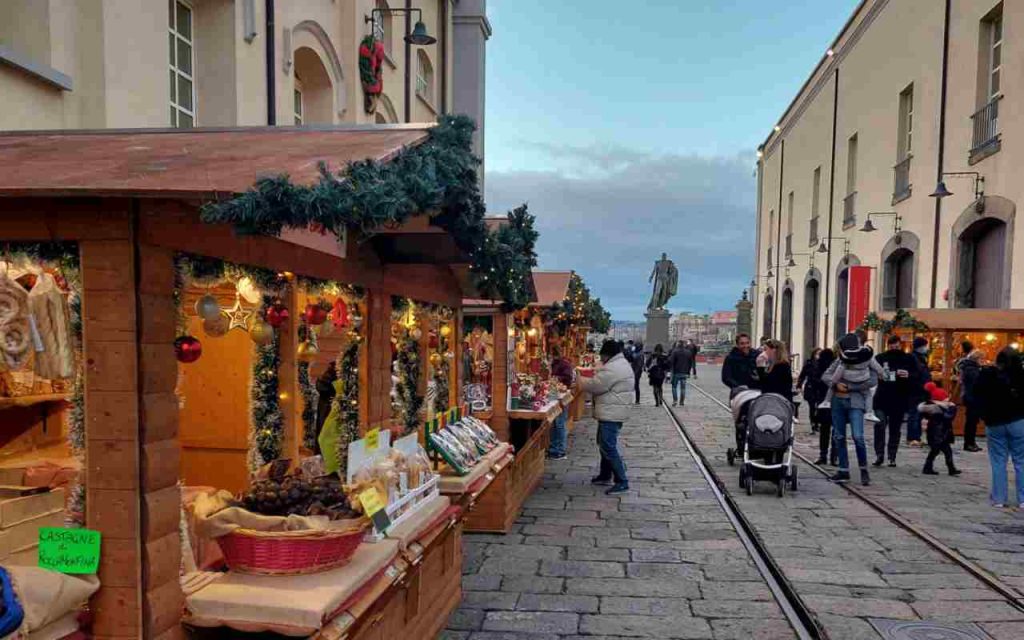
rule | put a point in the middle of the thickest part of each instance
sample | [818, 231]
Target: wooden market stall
[989, 330]
[202, 348]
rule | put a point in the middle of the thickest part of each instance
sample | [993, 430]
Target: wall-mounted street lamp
[823, 248]
[418, 36]
[979, 184]
[897, 222]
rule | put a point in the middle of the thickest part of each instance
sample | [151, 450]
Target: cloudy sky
[630, 129]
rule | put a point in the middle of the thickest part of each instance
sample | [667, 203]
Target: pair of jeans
[659, 394]
[559, 435]
[971, 425]
[1006, 440]
[889, 424]
[612, 466]
[913, 423]
[842, 414]
[679, 387]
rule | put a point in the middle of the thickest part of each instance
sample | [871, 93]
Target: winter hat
[920, 342]
[849, 342]
[937, 393]
[852, 352]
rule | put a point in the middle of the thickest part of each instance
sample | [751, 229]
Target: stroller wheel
[792, 479]
[749, 480]
[743, 477]
[730, 455]
[780, 490]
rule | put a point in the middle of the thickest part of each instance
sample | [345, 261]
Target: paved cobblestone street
[659, 562]
[849, 563]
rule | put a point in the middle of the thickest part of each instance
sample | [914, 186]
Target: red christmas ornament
[432, 341]
[277, 315]
[339, 314]
[315, 315]
[187, 349]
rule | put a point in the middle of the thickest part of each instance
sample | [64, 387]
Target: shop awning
[968, 319]
[200, 163]
[551, 286]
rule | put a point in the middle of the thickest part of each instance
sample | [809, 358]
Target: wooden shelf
[29, 401]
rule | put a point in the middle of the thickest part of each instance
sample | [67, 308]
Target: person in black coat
[803, 383]
[740, 366]
[920, 376]
[969, 368]
[657, 370]
[893, 398]
[778, 374]
[999, 392]
[636, 360]
[823, 414]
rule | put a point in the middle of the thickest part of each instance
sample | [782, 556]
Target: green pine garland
[902, 319]
[579, 309]
[310, 396]
[441, 373]
[267, 419]
[348, 401]
[439, 175]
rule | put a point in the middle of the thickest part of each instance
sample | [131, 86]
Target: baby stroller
[764, 439]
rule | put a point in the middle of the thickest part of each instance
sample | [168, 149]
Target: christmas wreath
[902, 319]
[371, 73]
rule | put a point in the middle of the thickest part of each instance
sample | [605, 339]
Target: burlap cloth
[215, 518]
[48, 596]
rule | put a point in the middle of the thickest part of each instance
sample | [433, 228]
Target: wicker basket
[285, 553]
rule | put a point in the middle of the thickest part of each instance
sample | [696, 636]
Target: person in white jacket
[612, 389]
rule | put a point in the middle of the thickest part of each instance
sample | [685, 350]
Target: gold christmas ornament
[260, 331]
[207, 307]
[415, 333]
[436, 359]
[446, 330]
[216, 327]
[238, 316]
[307, 352]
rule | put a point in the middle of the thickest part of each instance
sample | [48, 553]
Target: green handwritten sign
[69, 550]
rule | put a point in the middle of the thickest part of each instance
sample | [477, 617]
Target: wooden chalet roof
[193, 162]
[551, 286]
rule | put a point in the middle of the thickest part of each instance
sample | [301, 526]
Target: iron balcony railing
[901, 179]
[813, 240]
[986, 126]
[849, 204]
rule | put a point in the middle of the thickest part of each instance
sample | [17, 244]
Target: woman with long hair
[777, 376]
[999, 393]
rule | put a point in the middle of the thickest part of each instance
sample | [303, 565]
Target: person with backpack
[657, 370]
[999, 393]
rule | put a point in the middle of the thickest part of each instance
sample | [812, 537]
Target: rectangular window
[906, 123]
[851, 164]
[297, 100]
[816, 193]
[789, 214]
[995, 56]
[181, 72]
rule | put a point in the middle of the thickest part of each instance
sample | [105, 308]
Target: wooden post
[378, 370]
[288, 378]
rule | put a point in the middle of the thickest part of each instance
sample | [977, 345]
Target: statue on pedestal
[666, 281]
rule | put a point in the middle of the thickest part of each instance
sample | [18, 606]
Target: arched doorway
[899, 272]
[786, 316]
[314, 94]
[843, 293]
[812, 300]
[768, 317]
[982, 256]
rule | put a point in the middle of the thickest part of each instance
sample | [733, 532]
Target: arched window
[980, 269]
[382, 29]
[812, 296]
[768, 317]
[314, 92]
[898, 280]
[842, 300]
[786, 320]
[424, 77]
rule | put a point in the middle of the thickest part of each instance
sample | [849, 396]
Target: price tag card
[374, 505]
[69, 550]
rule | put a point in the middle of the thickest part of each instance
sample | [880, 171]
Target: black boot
[878, 461]
[953, 471]
[865, 477]
[929, 471]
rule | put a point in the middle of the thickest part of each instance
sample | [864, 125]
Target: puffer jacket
[612, 388]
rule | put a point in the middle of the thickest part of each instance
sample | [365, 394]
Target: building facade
[222, 63]
[909, 95]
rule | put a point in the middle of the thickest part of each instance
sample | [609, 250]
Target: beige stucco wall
[115, 52]
[889, 45]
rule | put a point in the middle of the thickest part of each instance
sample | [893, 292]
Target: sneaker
[601, 481]
[557, 456]
[865, 478]
[998, 505]
[621, 487]
[892, 463]
[871, 417]
[955, 472]
[796, 420]
[930, 472]
[840, 477]
[878, 461]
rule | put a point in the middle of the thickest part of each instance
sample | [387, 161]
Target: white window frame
[995, 47]
[382, 29]
[816, 192]
[298, 100]
[175, 70]
[424, 81]
[905, 142]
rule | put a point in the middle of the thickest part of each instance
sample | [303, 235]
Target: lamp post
[942, 192]
[897, 223]
[417, 36]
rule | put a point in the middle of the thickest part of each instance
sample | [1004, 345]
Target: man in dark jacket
[968, 369]
[892, 399]
[680, 363]
[920, 376]
[637, 361]
[740, 367]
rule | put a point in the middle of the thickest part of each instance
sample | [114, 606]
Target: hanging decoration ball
[247, 289]
[217, 326]
[307, 352]
[432, 340]
[436, 359]
[277, 315]
[315, 314]
[356, 319]
[339, 314]
[260, 331]
[187, 349]
[415, 333]
[450, 355]
[207, 307]
[446, 330]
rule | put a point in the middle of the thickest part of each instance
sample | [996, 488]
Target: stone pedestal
[657, 329]
[744, 315]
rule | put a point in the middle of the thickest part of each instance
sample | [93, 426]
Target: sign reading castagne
[69, 550]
